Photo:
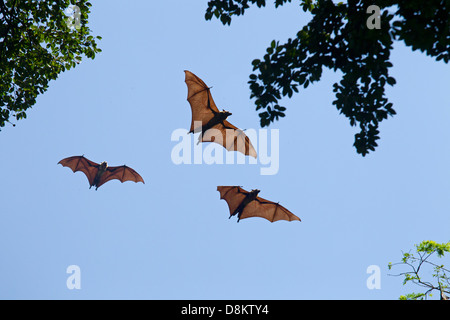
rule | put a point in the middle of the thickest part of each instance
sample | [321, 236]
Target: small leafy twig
[424, 251]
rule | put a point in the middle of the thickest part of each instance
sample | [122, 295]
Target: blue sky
[171, 238]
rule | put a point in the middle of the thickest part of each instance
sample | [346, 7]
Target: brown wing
[230, 137]
[121, 173]
[269, 210]
[233, 195]
[202, 104]
[80, 163]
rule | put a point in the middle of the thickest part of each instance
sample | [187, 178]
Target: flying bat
[247, 204]
[206, 116]
[98, 174]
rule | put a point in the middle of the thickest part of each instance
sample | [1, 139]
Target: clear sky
[171, 238]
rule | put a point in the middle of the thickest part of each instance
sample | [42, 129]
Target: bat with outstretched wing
[98, 174]
[246, 204]
[212, 123]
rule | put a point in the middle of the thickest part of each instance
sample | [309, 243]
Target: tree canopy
[38, 41]
[338, 38]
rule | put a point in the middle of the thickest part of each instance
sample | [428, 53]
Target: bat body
[217, 119]
[98, 174]
[206, 116]
[246, 204]
[102, 168]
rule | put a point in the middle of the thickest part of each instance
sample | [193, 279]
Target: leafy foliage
[38, 42]
[417, 263]
[338, 38]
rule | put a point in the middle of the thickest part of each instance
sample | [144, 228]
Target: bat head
[226, 113]
[255, 191]
[104, 164]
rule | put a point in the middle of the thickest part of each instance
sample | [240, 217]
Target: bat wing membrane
[233, 195]
[80, 163]
[231, 138]
[202, 103]
[269, 210]
[121, 173]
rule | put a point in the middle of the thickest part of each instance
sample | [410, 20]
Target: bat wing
[269, 210]
[80, 163]
[233, 195]
[231, 138]
[202, 104]
[121, 173]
